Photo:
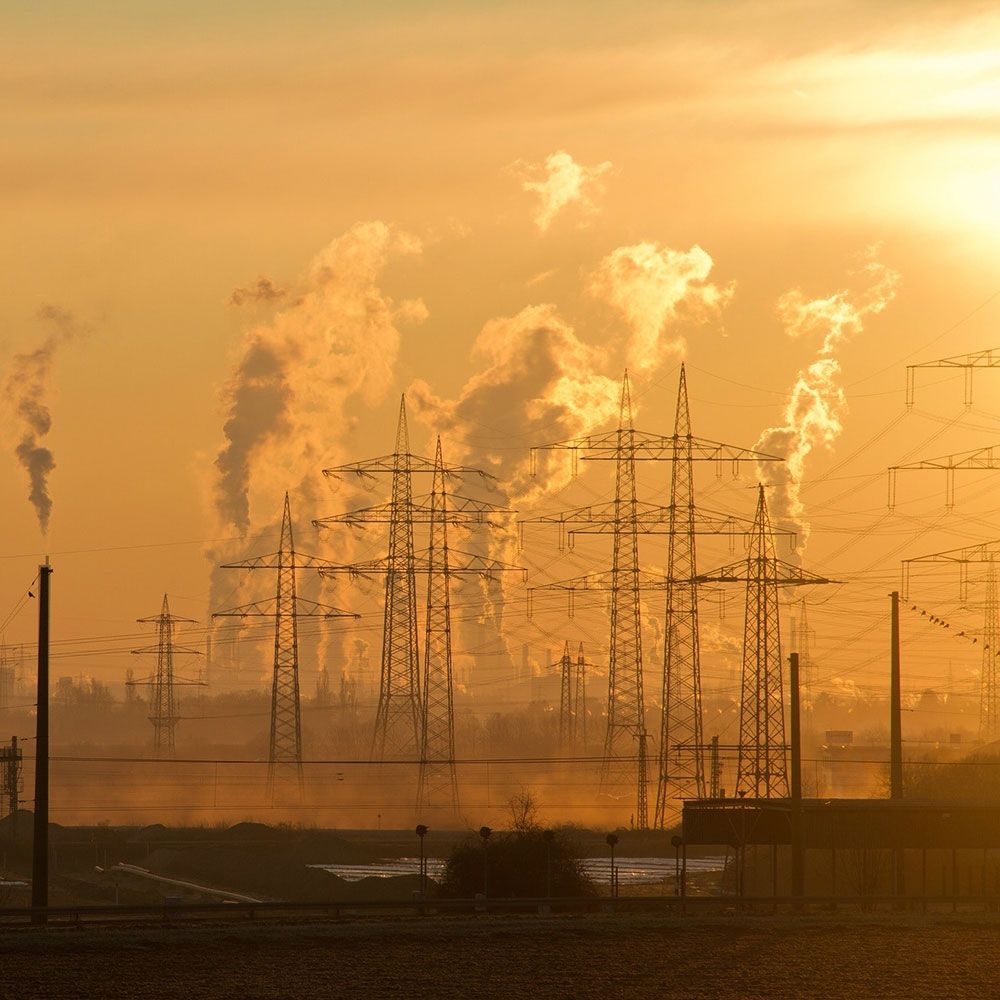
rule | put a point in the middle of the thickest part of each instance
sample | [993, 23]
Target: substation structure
[416, 715]
[681, 750]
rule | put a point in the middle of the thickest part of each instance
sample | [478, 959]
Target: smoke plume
[28, 387]
[262, 290]
[285, 401]
[817, 405]
[653, 286]
[559, 182]
[539, 382]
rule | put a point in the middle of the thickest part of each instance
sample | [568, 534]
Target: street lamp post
[484, 833]
[421, 833]
[611, 840]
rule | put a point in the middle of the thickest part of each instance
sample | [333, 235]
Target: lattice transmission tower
[762, 764]
[10, 782]
[286, 607]
[434, 737]
[988, 554]
[163, 701]
[681, 753]
[397, 721]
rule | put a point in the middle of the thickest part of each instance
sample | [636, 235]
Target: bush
[517, 863]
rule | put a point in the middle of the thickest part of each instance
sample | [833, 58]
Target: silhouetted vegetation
[525, 860]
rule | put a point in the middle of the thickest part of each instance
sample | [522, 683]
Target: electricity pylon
[977, 460]
[397, 720]
[988, 554]
[286, 607]
[966, 363]
[567, 692]
[10, 782]
[681, 758]
[435, 725]
[162, 702]
[762, 767]
[438, 781]
[580, 702]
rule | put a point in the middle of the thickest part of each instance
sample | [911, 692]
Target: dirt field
[582, 957]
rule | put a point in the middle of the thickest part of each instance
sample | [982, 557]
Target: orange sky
[157, 160]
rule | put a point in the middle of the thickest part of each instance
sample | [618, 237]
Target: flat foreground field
[580, 957]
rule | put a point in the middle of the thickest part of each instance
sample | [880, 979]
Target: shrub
[517, 862]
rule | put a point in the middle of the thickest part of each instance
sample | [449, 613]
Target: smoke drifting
[262, 290]
[285, 402]
[559, 182]
[539, 383]
[652, 286]
[27, 389]
[815, 410]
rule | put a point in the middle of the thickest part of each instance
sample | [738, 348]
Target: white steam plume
[27, 390]
[331, 345]
[653, 286]
[539, 383]
[285, 401]
[814, 413]
[559, 181]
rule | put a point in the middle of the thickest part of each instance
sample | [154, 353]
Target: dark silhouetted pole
[798, 866]
[611, 840]
[548, 836]
[895, 709]
[421, 833]
[484, 832]
[40, 846]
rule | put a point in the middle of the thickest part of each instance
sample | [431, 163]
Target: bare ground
[580, 957]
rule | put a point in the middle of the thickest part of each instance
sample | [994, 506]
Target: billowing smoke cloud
[814, 413]
[331, 346]
[653, 286]
[539, 382]
[285, 402]
[559, 182]
[262, 290]
[27, 390]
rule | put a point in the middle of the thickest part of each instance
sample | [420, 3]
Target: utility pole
[285, 742]
[762, 769]
[40, 844]
[163, 704]
[798, 856]
[895, 705]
